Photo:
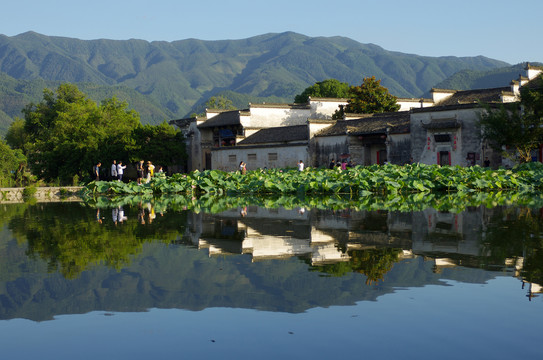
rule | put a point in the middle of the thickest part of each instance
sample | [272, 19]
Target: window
[272, 156]
[251, 157]
[442, 138]
[232, 158]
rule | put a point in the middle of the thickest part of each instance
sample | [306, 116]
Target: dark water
[140, 282]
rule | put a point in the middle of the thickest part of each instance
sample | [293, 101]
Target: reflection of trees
[515, 233]
[373, 263]
[69, 237]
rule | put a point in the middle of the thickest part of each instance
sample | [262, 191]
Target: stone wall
[43, 194]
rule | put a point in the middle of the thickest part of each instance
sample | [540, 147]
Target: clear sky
[507, 30]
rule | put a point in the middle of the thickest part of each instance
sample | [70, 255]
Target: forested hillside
[173, 79]
[472, 79]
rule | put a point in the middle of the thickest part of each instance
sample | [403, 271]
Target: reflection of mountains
[177, 276]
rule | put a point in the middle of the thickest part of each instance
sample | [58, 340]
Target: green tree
[68, 133]
[11, 164]
[330, 88]
[16, 137]
[369, 98]
[516, 125]
[161, 144]
[219, 102]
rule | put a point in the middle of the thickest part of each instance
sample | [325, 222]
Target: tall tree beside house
[369, 98]
[330, 88]
[66, 133]
[162, 144]
[516, 125]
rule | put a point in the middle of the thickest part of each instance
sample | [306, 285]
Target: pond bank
[41, 194]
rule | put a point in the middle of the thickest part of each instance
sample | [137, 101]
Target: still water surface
[137, 283]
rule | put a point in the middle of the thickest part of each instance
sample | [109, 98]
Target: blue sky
[509, 30]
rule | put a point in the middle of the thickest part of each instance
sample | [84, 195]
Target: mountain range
[167, 80]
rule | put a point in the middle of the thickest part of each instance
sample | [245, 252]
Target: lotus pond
[401, 275]
[358, 181]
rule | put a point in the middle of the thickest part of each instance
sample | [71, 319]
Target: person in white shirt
[300, 165]
[114, 170]
[120, 170]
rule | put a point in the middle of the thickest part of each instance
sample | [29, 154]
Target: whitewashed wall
[322, 108]
[287, 156]
[408, 104]
[439, 95]
[467, 137]
[267, 116]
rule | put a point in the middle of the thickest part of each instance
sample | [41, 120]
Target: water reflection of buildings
[326, 236]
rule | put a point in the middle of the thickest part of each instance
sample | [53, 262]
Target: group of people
[343, 164]
[117, 170]
[144, 171]
[243, 167]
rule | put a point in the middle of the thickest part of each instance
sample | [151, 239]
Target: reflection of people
[98, 217]
[121, 217]
[243, 211]
[115, 215]
[141, 214]
[152, 214]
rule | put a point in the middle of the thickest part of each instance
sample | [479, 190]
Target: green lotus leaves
[375, 179]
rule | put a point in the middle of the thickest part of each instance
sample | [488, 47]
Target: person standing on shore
[96, 171]
[114, 170]
[120, 170]
[140, 170]
[242, 168]
[150, 171]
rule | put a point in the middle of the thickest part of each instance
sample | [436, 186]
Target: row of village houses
[442, 130]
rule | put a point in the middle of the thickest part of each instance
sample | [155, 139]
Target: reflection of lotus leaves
[454, 202]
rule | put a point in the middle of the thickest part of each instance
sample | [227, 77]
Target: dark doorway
[444, 158]
[208, 161]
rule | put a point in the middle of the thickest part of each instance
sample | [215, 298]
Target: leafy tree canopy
[161, 144]
[11, 162]
[330, 88]
[516, 125]
[67, 132]
[369, 98]
[220, 102]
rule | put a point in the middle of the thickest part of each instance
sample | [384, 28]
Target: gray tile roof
[283, 134]
[181, 123]
[397, 122]
[225, 118]
[474, 96]
[436, 124]
[280, 106]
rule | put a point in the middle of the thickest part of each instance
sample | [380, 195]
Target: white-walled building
[442, 130]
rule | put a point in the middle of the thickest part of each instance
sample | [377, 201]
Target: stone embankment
[41, 194]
